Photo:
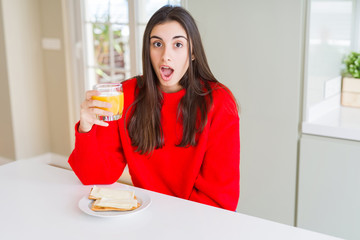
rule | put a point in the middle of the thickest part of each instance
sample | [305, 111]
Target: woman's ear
[192, 57]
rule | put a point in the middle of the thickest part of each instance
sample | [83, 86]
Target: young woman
[179, 134]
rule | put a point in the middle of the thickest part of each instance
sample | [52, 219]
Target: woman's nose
[167, 54]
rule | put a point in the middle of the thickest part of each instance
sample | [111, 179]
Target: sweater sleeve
[218, 183]
[98, 157]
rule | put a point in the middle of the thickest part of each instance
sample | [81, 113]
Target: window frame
[75, 51]
[329, 108]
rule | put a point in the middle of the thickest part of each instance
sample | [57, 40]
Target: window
[103, 42]
[113, 31]
[332, 32]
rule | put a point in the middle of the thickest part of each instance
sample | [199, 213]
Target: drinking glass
[111, 93]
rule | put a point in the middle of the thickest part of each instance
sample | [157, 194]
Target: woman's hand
[90, 108]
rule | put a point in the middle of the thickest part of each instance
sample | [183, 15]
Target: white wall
[255, 48]
[27, 97]
[6, 134]
[33, 84]
[61, 129]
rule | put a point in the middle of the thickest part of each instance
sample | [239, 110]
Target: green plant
[107, 42]
[352, 64]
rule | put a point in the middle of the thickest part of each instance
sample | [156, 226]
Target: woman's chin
[168, 87]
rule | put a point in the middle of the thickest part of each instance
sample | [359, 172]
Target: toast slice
[99, 206]
[111, 193]
[108, 199]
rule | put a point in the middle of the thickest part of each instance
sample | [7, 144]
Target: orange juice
[115, 98]
[111, 93]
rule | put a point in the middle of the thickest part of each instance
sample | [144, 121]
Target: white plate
[142, 197]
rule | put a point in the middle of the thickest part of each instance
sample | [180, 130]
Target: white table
[39, 201]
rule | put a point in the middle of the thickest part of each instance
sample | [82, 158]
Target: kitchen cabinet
[329, 186]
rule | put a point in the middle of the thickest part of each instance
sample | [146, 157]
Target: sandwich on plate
[109, 199]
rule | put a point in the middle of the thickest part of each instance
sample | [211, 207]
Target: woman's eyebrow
[156, 37]
[180, 36]
[175, 37]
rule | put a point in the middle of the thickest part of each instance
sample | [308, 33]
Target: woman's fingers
[89, 94]
[101, 123]
[90, 109]
[98, 111]
[88, 120]
[97, 103]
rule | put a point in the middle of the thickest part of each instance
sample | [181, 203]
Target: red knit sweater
[207, 173]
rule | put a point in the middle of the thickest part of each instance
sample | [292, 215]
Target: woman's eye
[157, 44]
[178, 45]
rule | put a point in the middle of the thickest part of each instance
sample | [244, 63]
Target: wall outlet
[51, 44]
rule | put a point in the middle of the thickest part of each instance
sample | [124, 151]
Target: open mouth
[166, 72]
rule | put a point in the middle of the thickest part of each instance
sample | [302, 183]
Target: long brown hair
[144, 125]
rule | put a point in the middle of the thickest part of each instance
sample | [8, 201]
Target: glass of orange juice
[111, 93]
